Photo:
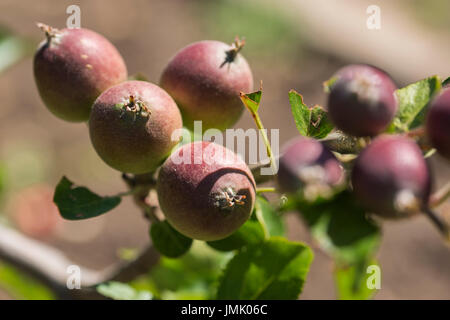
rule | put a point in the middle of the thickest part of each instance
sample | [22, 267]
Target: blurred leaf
[252, 100]
[121, 291]
[261, 25]
[26, 162]
[128, 254]
[341, 228]
[192, 276]
[272, 219]
[250, 232]
[446, 82]
[310, 122]
[20, 286]
[169, 241]
[433, 14]
[412, 104]
[76, 203]
[12, 49]
[328, 84]
[273, 269]
[351, 282]
[138, 77]
[188, 136]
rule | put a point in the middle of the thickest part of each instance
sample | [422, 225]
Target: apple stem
[50, 32]
[231, 54]
[140, 186]
[440, 196]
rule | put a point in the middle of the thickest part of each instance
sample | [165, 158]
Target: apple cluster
[206, 191]
[82, 77]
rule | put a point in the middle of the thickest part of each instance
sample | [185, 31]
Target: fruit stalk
[344, 144]
[262, 130]
[140, 187]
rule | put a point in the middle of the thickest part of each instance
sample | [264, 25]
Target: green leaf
[252, 100]
[273, 269]
[76, 203]
[121, 291]
[192, 276]
[20, 286]
[351, 282]
[310, 122]
[128, 254]
[328, 84]
[446, 82]
[169, 241]
[138, 77]
[412, 104]
[12, 49]
[341, 228]
[250, 232]
[272, 220]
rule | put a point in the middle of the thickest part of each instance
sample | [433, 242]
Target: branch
[256, 172]
[344, 144]
[440, 196]
[49, 266]
[338, 142]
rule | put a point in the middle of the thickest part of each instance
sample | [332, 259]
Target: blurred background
[290, 44]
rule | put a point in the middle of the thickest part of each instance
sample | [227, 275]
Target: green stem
[261, 220]
[263, 190]
[254, 112]
[126, 193]
[266, 141]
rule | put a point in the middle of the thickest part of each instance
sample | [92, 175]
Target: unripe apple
[206, 191]
[306, 164]
[391, 177]
[72, 67]
[362, 100]
[131, 126]
[205, 79]
[438, 123]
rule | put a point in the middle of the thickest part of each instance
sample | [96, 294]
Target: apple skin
[438, 123]
[387, 167]
[203, 88]
[72, 68]
[134, 142]
[300, 157]
[362, 100]
[192, 193]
